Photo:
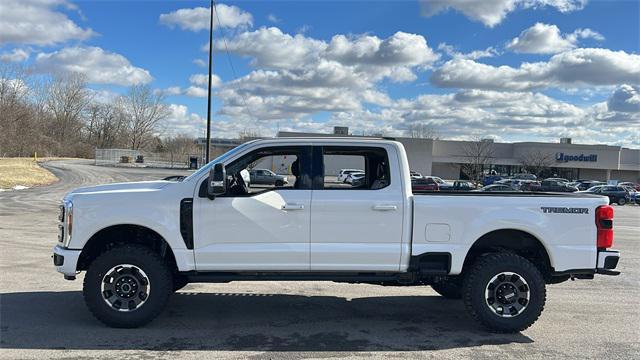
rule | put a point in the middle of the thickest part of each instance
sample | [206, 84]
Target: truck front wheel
[127, 286]
[504, 292]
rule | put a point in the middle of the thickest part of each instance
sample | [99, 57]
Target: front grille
[61, 213]
[60, 233]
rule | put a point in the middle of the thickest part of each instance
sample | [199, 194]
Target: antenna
[209, 90]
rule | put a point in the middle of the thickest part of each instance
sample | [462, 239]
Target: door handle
[385, 207]
[292, 207]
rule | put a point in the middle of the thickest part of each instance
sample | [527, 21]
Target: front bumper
[607, 262]
[66, 260]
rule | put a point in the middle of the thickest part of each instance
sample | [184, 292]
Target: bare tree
[144, 110]
[476, 155]
[105, 126]
[15, 113]
[180, 147]
[67, 98]
[422, 131]
[536, 162]
[246, 135]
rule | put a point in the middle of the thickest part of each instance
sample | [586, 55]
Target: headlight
[69, 224]
[65, 227]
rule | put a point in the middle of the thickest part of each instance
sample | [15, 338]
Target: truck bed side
[450, 223]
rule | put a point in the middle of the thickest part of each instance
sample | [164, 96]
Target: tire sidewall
[160, 287]
[537, 294]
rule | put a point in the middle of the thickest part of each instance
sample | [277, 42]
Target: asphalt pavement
[42, 316]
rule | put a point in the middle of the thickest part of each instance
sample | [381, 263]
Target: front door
[264, 229]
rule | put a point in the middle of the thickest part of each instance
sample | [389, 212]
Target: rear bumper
[65, 260]
[607, 262]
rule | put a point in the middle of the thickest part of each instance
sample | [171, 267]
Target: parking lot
[44, 316]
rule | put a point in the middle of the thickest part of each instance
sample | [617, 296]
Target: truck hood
[141, 186]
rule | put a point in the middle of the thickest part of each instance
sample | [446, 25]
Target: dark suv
[616, 194]
[556, 185]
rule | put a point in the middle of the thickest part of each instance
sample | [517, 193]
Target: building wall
[446, 171]
[593, 174]
[608, 157]
[419, 153]
[626, 175]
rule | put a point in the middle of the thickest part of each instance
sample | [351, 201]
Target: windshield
[594, 188]
[222, 158]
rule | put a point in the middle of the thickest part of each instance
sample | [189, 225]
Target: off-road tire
[478, 277]
[450, 289]
[159, 279]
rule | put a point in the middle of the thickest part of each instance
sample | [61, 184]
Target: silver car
[267, 177]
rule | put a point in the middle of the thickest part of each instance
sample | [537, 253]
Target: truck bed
[450, 222]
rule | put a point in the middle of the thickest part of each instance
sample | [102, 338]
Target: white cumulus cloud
[97, 65]
[547, 39]
[573, 68]
[197, 19]
[36, 22]
[299, 76]
[492, 12]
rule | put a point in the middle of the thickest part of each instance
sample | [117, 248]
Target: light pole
[209, 90]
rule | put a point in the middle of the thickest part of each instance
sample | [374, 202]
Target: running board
[221, 277]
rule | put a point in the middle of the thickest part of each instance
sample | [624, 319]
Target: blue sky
[542, 69]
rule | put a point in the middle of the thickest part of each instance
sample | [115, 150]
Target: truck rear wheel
[127, 286]
[450, 289]
[504, 292]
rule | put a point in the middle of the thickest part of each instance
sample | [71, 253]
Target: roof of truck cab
[310, 140]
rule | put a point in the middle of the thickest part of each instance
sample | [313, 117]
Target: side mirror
[217, 182]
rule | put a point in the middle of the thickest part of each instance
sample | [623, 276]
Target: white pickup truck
[139, 242]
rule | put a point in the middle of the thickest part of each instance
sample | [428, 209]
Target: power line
[233, 69]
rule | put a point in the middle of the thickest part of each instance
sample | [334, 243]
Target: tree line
[58, 115]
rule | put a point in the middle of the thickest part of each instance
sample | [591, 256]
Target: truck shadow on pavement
[247, 321]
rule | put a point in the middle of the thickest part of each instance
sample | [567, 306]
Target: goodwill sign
[562, 157]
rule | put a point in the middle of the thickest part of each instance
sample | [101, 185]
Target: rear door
[356, 228]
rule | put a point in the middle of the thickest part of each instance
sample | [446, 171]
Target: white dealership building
[444, 158]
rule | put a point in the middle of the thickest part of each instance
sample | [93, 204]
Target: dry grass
[24, 172]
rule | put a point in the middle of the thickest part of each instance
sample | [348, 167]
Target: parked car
[635, 186]
[424, 184]
[616, 194]
[177, 178]
[497, 187]
[586, 184]
[355, 178]
[490, 179]
[342, 175]
[556, 185]
[514, 183]
[139, 242]
[442, 185]
[528, 185]
[563, 180]
[267, 177]
[415, 175]
[525, 177]
[463, 185]
[633, 194]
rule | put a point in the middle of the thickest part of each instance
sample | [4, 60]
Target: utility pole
[209, 90]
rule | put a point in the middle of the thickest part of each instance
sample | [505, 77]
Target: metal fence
[137, 158]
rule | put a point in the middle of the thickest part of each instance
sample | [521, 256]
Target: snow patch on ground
[17, 187]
